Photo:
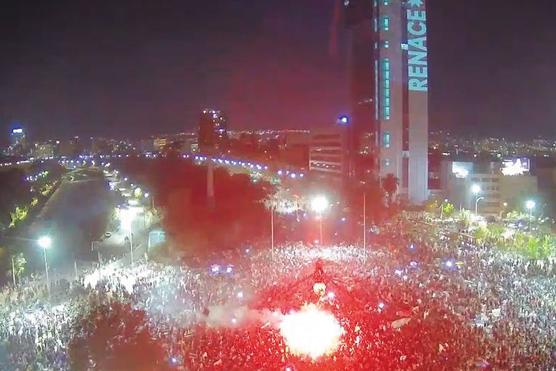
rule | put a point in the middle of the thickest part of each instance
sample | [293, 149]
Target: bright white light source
[319, 204]
[530, 204]
[45, 242]
[311, 332]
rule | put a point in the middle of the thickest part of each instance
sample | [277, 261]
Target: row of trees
[196, 223]
[22, 189]
[532, 246]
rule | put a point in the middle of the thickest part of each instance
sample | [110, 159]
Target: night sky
[134, 68]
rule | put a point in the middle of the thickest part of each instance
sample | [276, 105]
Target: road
[75, 214]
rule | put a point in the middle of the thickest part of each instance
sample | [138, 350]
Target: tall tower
[398, 80]
[213, 130]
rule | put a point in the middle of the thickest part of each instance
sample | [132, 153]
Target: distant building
[146, 145]
[488, 185]
[213, 130]
[17, 136]
[546, 174]
[328, 153]
[43, 150]
[295, 150]
[102, 146]
[18, 142]
[71, 147]
[189, 145]
[159, 144]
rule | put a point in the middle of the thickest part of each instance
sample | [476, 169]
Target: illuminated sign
[462, 170]
[417, 60]
[17, 131]
[516, 166]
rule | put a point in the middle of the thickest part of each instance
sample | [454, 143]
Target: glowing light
[530, 204]
[343, 120]
[476, 189]
[381, 305]
[331, 295]
[319, 204]
[311, 332]
[515, 167]
[215, 268]
[45, 242]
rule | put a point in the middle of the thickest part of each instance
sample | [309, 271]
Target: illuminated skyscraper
[389, 69]
[18, 141]
[213, 130]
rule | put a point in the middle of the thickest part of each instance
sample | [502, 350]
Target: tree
[18, 264]
[448, 209]
[390, 185]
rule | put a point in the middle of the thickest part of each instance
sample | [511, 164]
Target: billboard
[516, 166]
[462, 170]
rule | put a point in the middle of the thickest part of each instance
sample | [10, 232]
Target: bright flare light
[530, 204]
[311, 332]
[44, 242]
[319, 204]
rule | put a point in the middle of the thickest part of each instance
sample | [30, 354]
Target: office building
[43, 150]
[213, 130]
[328, 153]
[389, 87]
[491, 188]
[18, 142]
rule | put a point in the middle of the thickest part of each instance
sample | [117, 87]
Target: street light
[45, 242]
[319, 204]
[126, 219]
[476, 189]
[477, 205]
[530, 205]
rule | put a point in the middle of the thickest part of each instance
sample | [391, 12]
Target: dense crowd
[417, 298]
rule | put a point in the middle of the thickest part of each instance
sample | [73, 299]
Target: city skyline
[158, 70]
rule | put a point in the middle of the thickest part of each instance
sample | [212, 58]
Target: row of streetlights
[476, 190]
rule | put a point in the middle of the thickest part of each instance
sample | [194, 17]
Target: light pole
[126, 218]
[530, 205]
[365, 225]
[477, 205]
[319, 204]
[45, 242]
[272, 229]
[93, 244]
[476, 190]
[13, 270]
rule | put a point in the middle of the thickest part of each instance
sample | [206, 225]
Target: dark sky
[132, 67]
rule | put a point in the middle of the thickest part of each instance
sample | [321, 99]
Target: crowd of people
[415, 298]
